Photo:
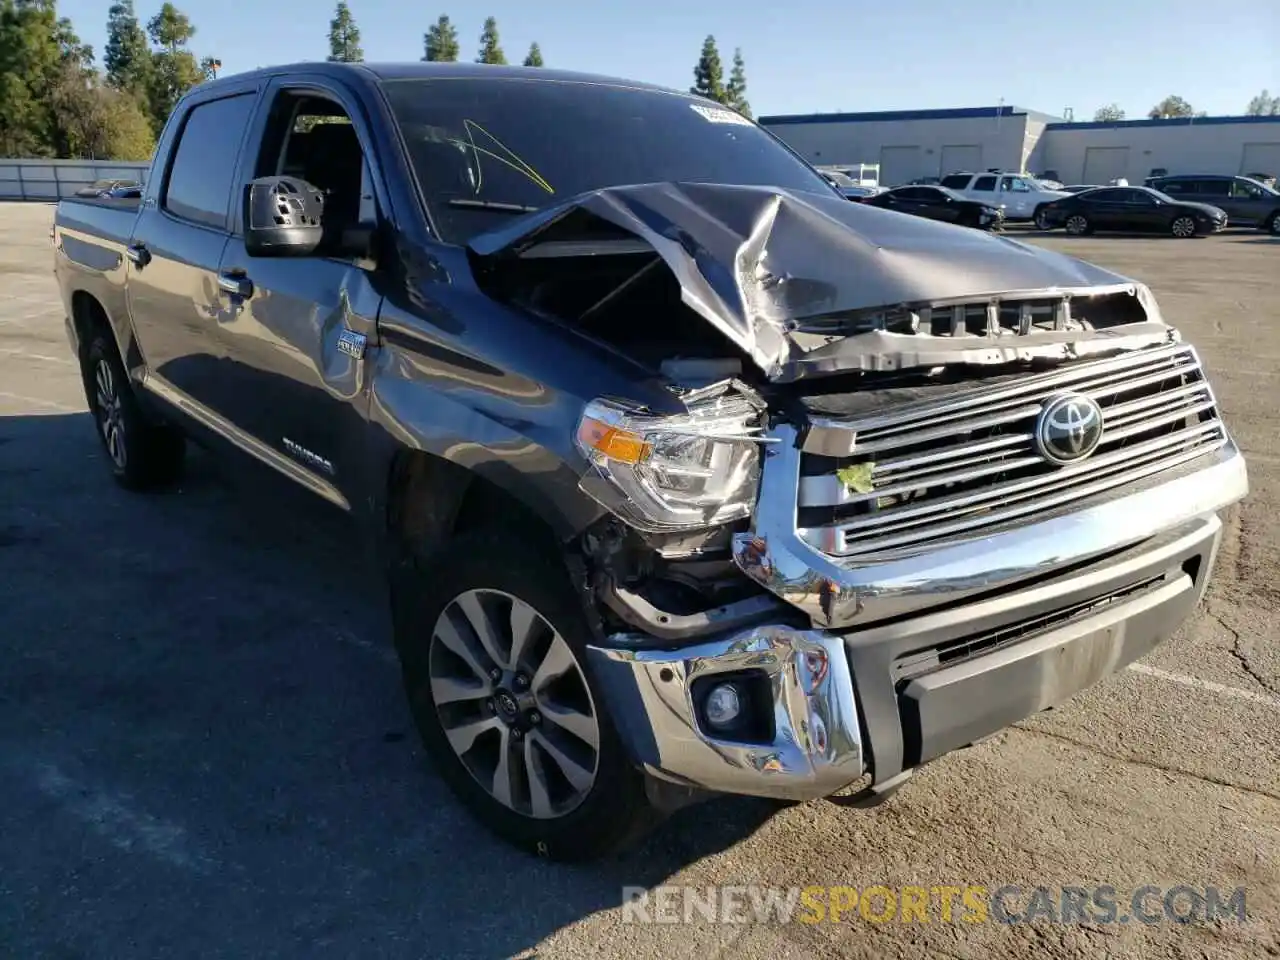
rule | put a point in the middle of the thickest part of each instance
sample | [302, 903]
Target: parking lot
[204, 749]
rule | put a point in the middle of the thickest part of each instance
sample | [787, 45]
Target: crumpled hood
[755, 261]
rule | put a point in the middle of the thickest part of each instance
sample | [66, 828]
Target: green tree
[344, 36]
[1171, 106]
[440, 42]
[99, 122]
[534, 57]
[38, 53]
[1109, 113]
[1263, 105]
[127, 58]
[170, 29]
[490, 48]
[736, 91]
[708, 75]
[174, 68]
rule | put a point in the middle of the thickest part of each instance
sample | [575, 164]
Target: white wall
[1003, 140]
[1214, 147]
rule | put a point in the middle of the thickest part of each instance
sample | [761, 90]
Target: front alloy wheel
[1183, 227]
[1042, 220]
[514, 704]
[494, 644]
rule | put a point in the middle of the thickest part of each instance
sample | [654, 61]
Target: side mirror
[282, 217]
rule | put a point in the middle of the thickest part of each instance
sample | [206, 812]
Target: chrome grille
[956, 469]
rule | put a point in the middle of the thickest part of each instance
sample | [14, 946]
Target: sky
[807, 56]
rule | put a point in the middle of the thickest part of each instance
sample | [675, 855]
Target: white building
[919, 143]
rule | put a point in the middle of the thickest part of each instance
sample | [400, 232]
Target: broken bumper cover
[872, 703]
[851, 707]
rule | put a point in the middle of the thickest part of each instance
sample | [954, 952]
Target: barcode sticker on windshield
[719, 115]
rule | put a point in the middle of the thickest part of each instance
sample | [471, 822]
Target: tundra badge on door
[351, 343]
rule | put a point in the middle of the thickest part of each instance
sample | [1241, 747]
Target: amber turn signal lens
[613, 443]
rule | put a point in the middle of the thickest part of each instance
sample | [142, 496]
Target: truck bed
[109, 218]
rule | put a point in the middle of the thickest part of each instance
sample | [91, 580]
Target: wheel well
[430, 500]
[89, 316]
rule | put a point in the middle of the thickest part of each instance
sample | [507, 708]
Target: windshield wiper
[495, 205]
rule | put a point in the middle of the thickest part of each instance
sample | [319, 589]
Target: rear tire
[142, 455]
[1272, 226]
[585, 803]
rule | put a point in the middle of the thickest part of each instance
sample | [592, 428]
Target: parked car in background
[924, 182]
[1132, 210]
[106, 188]
[1020, 197]
[939, 203]
[1080, 187]
[849, 189]
[1248, 203]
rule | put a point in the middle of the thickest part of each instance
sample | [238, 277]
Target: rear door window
[956, 181]
[1213, 188]
[1177, 188]
[985, 183]
[204, 163]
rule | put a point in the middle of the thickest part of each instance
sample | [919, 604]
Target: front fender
[503, 427]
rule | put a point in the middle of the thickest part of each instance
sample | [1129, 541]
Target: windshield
[484, 149]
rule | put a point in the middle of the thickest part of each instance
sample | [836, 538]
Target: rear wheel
[1273, 225]
[492, 642]
[1078, 225]
[142, 455]
[1183, 227]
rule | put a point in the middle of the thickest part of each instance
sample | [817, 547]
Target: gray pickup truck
[689, 477]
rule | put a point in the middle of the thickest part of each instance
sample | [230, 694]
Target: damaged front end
[791, 320]
[925, 482]
[702, 279]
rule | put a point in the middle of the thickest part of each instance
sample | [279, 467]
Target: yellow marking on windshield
[511, 159]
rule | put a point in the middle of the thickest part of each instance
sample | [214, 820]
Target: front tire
[1078, 225]
[1183, 227]
[142, 455]
[492, 642]
[1041, 220]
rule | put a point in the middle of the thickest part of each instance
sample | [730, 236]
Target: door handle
[235, 284]
[138, 254]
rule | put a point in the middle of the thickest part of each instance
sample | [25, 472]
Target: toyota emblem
[1069, 428]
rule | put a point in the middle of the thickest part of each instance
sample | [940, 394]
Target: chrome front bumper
[835, 594]
[1064, 602]
[817, 743]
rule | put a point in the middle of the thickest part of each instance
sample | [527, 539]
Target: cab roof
[419, 70]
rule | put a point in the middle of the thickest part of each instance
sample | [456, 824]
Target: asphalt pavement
[204, 750]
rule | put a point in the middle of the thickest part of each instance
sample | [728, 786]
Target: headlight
[673, 473]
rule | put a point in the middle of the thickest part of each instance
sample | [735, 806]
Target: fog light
[723, 705]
